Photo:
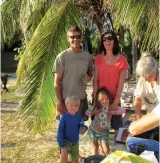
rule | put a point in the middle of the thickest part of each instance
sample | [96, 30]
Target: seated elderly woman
[147, 93]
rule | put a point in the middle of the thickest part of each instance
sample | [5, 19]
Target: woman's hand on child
[112, 112]
[114, 106]
[96, 111]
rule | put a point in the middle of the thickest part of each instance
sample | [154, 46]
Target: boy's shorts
[98, 136]
[73, 150]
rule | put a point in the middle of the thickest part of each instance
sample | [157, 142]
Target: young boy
[71, 124]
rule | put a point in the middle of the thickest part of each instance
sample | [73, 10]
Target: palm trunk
[134, 58]
[110, 19]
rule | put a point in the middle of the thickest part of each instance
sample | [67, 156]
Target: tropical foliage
[43, 25]
[141, 17]
[9, 24]
[41, 51]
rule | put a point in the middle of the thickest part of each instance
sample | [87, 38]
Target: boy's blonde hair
[72, 99]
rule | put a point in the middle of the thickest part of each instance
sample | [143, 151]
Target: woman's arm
[137, 107]
[137, 98]
[119, 90]
[147, 122]
[95, 84]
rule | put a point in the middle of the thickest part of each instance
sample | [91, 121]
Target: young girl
[99, 128]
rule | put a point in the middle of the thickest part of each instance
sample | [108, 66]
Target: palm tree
[44, 25]
[142, 19]
[37, 107]
[21, 18]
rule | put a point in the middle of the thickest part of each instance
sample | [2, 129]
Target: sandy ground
[32, 148]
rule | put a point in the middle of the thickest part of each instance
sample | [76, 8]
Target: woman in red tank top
[110, 72]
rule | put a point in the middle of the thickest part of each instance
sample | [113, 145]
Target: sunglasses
[109, 38]
[77, 37]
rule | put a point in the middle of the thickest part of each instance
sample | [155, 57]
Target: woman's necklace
[109, 60]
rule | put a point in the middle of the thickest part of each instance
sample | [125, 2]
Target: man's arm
[58, 90]
[137, 107]
[90, 70]
[89, 78]
[57, 86]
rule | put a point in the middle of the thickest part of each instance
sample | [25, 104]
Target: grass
[11, 96]
[19, 145]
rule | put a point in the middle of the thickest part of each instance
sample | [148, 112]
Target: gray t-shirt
[73, 67]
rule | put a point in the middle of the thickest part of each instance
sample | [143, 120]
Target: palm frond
[31, 14]
[142, 18]
[10, 20]
[94, 12]
[47, 41]
[21, 16]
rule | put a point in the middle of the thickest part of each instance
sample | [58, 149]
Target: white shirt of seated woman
[148, 88]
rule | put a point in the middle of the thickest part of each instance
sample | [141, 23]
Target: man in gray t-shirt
[72, 68]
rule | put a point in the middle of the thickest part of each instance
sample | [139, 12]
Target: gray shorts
[98, 136]
[83, 107]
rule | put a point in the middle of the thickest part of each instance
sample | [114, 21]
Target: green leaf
[15, 49]
[35, 67]
[142, 18]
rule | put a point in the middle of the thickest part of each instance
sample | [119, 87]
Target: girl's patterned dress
[99, 128]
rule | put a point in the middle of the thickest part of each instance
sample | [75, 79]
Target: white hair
[146, 65]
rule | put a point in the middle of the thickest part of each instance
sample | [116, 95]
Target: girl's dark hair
[116, 48]
[105, 91]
